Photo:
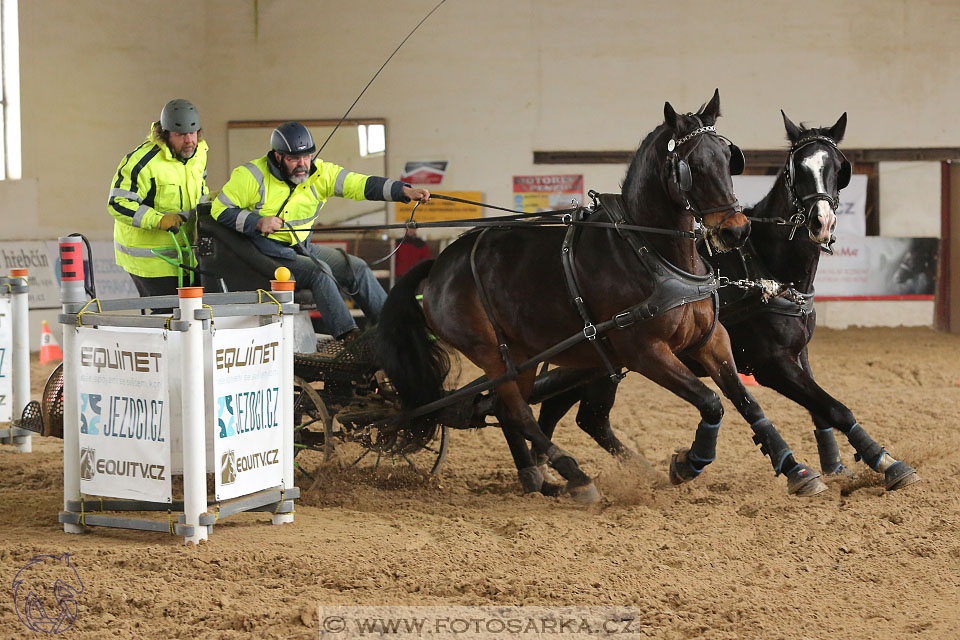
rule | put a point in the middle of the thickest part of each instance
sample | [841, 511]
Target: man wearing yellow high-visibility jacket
[156, 190]
[276, 200]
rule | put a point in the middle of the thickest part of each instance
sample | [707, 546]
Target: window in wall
[10, 168]
[373, 139]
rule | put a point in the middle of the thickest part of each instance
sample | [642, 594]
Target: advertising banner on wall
[42, 259]
[124, 413]
[6, 360]
[111, 280]
[437, 210]
[424, 171]
[876, 266]
[248, 407]
[546, 193]
[851, 214]
[34, 256]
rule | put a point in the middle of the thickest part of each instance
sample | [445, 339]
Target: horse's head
[815, 172]
[696, 169]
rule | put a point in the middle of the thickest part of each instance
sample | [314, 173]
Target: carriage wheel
[321, 438]
[312, 425]
[359, 449]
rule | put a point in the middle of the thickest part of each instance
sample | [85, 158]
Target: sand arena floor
[729, 555]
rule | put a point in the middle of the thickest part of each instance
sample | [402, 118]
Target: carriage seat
[234, 258]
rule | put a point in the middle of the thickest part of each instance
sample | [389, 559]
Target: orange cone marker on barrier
[49, 349]
[748, 380]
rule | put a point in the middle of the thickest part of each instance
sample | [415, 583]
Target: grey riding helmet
[292, 139]
[181, 116]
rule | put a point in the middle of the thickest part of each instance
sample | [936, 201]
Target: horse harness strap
[788, 302]
[672, 287]
[488, 308]
[573, 287]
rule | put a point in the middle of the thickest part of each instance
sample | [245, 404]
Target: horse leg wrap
[567, 466]
[704, 448]
[771, 443]
[530, 479]
[867, 448]
[555, 453]
[830, 461]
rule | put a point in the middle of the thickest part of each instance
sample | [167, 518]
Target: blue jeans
[350, 272]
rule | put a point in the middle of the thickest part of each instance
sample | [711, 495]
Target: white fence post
[194, 415]
[280, 286]
[72, 296]
[21, 355]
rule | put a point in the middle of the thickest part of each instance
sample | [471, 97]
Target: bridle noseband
[802, 204]
[682, 179]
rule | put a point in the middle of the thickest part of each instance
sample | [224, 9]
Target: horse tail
[412, 357]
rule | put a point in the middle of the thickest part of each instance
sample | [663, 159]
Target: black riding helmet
[181, 116]
[292, 139]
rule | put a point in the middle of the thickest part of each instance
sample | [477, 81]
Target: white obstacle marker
[149, 396]
[14, 357]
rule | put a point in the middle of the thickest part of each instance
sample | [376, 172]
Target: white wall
[481, 84]
[910, 199]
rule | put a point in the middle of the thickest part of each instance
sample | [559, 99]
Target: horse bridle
[803, 204]
[681, 179]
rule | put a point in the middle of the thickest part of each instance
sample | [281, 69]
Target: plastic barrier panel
[248, 398]
[124, 413]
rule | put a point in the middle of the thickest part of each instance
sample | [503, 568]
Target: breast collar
[672, 286]
[738, 305]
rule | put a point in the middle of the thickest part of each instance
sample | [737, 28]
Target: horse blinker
[843, 176]
[737, 161]
[682, 175]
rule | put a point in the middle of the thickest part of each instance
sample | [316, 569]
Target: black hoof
[680, 469]
[899, 475]
[804, 481]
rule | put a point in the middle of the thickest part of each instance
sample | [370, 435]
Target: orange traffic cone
[748, 380]
[49, 349]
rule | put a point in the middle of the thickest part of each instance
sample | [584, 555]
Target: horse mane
[810, 132]
[644, 166]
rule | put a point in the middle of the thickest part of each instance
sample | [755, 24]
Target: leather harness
[672, 287]
[738, 305]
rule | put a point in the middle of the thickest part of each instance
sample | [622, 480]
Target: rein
[515, 220]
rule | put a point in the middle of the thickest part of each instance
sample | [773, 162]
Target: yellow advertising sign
[437, 210]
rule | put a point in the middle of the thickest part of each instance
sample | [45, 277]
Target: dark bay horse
[502, 296]
[770, 334]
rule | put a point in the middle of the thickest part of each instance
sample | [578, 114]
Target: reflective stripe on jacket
[150, 182]
[256, 189]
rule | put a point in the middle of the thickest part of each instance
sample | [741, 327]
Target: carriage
[659, 318]
[340, 397]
